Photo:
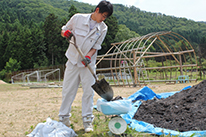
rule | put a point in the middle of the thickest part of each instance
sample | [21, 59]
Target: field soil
[183, 111]
[22, 108]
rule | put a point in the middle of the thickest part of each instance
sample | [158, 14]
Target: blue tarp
[144, 94]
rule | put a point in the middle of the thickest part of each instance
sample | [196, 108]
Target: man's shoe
[88, 127]
[87, 122]
[65, 121]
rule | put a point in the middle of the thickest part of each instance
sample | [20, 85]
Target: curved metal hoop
[130, 61]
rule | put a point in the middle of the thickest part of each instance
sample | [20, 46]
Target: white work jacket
[85, 39]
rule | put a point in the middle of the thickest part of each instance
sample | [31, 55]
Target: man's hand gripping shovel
[102, 87]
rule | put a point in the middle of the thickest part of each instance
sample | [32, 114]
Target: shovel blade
[103, 89]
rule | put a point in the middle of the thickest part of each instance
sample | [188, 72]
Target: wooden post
[181, 72]
[135, 71]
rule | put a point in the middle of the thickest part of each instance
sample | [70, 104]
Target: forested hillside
[141, 22]
[30, 30]
[145, 22]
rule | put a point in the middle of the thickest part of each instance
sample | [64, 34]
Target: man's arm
[87, 58]
[91, 52]
[62, 33]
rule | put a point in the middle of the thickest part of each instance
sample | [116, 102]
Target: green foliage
[3, 44]
[153, 63]
[202, 47]
[143, 22]
[2, 74]
[30, 29]
[23, 43]
[73, 10]
[204, 63]
[111, 33]
[124, 33]
[12, 65]
[51, 33]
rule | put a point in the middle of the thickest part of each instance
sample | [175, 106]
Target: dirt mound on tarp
[183, 111]
[2, 82]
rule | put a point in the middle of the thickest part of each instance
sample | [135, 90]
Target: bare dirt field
[23, 108]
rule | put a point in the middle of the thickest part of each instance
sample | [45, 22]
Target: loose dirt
[183, 111]
[2, 82]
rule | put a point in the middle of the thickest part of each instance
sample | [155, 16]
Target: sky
[190, 9]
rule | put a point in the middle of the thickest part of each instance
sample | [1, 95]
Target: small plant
[72, 126]
[130, 131]
[32, 127]
[26, 133]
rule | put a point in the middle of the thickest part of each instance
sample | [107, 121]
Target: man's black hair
[105, 6]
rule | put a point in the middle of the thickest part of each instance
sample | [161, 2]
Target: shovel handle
[82, 56]
[90, 69]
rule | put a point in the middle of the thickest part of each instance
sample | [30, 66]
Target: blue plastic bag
[114, 107]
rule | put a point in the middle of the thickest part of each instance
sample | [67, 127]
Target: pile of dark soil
[183, 111]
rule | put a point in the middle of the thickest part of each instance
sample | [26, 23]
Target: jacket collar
[87, 22]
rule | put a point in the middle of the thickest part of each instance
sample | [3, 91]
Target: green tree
[72, 10]
[38, 48]
[124, 33]
[25, 44]
[3, 45]
[51, 32]
[202, 53]
[111, 33]
[14, 46]
[202, 48]
[11, 66]
[63, 45]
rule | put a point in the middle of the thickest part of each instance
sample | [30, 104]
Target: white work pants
[73, 75]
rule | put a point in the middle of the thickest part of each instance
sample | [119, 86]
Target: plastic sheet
[52, 128]
[141, 126]
[144, 94]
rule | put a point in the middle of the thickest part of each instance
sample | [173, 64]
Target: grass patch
[11, 87]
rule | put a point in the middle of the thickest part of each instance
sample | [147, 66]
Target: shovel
[102, 87]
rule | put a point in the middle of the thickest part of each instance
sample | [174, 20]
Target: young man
[89, 31]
